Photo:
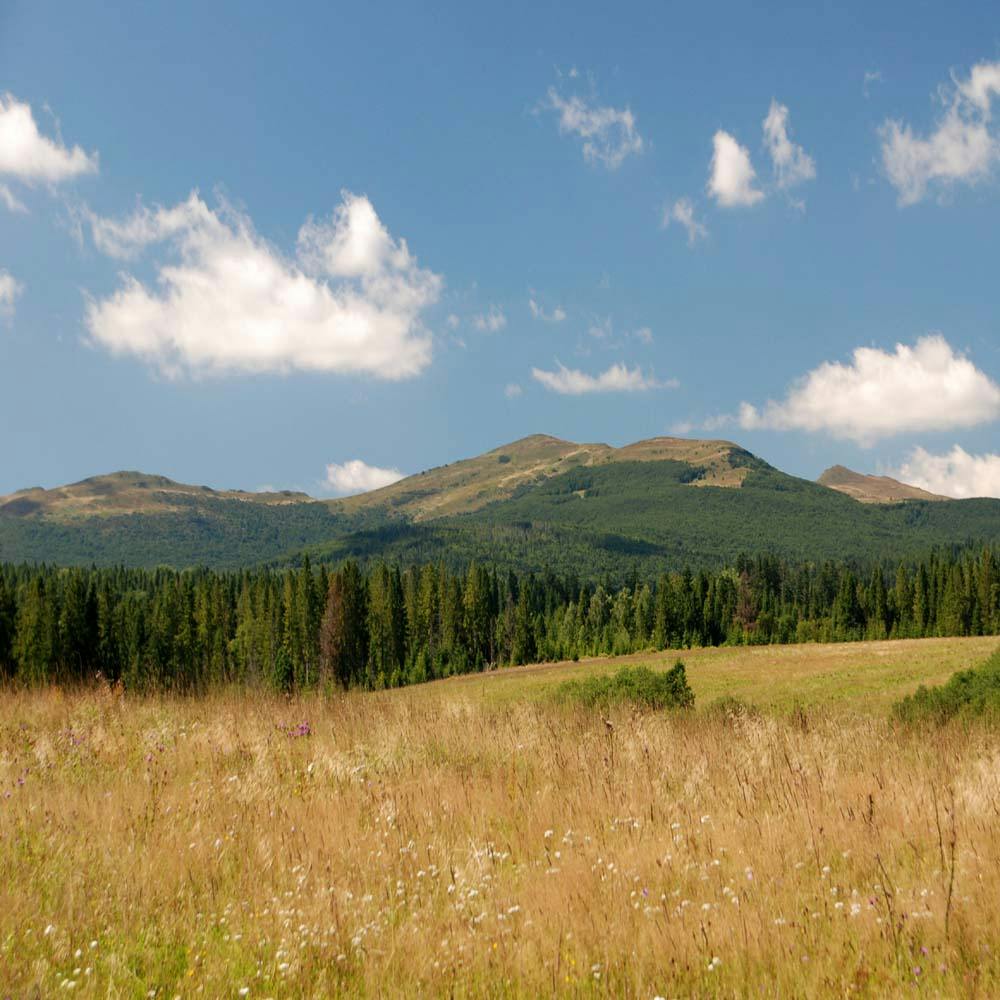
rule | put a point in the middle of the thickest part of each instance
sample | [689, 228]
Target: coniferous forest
[304, 627]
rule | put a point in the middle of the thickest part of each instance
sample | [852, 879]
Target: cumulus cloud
[926, 387]
[964, 146]
[512, 390]
[682, 212]
[609, 134]
[618, 378]
[954, 474]
[491, 321]
[732, 177]
[791, 163]
[356, 476]
[227, 302]
[10, 290]
[31, 157]
[557, 315]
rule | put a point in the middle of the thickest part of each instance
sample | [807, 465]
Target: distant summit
[872, 489]
[125, 493]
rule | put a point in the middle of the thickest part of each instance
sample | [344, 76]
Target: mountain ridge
[124, 492]
[537, 503]
[868, 488]
[471, 484]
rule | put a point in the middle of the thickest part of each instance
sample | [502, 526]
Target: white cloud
[10, 290]
[609, 134]
[644, 335]
[538, 312]
[717, 422]
[954, 474]
[982, 86]
[453, 321]
[871, 76]
[11, 201]
[964, 147]
[600, 329]
[356, 476]
[226, 301]
[32, 157]
[491, 321]
[732, 177]
[682, 212]
[791, 163]
[927, 387]
[512, 390]
[618, 378]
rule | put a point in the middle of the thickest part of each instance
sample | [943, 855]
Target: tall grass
[383, 845]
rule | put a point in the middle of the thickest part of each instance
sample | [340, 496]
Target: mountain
[125, 493]
[872, 489]
[534, 504]
[138, 519]
[475, 483]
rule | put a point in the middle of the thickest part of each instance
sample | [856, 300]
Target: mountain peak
[125, 492]
[872, 489]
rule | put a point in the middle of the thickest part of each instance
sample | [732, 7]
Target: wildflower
[715, 963]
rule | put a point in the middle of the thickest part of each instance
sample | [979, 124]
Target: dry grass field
[476, 838]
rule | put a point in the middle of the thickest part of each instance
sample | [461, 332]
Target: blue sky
[239, 245]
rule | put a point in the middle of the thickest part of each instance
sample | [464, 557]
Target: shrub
[638, 686]
[729, 709]
[969, 693]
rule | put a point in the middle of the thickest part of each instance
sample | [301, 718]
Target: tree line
[304, 627]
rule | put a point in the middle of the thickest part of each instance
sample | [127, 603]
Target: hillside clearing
[867, 676]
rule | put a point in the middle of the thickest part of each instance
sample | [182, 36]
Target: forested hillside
[536, 505]
[306, 627]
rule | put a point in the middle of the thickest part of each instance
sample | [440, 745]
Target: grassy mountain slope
[872, 489]
[125, 493]
[535, 503]
[476, 483]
